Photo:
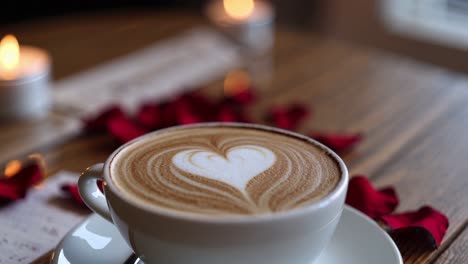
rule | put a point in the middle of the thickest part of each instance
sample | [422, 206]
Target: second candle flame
[9, 56]
[239, 9]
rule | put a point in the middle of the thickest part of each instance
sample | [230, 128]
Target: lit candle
[239, 10]
[236, 82]
[24, 80]
[248, 22]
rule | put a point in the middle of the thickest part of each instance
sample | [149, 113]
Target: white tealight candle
[248, 22]
[24, 80]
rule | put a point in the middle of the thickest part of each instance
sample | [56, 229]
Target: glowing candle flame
[236, 82]
[239, 9]
[12, 168]
[9, 54]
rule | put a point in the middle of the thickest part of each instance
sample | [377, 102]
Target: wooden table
[414, 116]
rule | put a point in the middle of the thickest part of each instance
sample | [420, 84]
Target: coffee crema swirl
[224, 170]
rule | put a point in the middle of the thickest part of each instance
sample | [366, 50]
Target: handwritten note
[33, 226]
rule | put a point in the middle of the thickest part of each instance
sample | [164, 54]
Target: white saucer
[357, 240]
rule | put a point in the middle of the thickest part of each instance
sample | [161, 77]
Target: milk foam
[240, 165]
[224, 170]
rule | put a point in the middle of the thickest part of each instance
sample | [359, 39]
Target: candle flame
[9, 55]
[12, 168]
[239, 9]
[236, 82]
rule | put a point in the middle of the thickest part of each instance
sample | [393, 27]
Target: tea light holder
[248, 23]
[24, 81]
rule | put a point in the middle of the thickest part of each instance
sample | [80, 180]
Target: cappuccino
[224, 169]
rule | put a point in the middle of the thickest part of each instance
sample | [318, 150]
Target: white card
[167, 68]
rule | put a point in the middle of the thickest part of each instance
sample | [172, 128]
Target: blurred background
[430, 30]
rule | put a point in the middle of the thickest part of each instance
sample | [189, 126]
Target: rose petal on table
[72, 190]
[187, 114]
[98, 123]
[288, 117]
[197, 99]
[149, 116]
[125, 129]
[426, 223]
[201, 108]
[226, 114]
[243, 96]
[16, 186]
[230, 113]
[338, 142]
[180, 111]
[372, 202]
[168, 114]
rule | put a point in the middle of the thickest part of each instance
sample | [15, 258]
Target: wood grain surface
[414, 116]
[457, 251]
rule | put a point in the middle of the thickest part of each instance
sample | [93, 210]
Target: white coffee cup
[295, 236]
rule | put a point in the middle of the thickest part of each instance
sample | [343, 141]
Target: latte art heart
[223, 170]
[237, 168]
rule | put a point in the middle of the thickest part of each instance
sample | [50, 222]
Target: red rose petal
[364, 197]
[149, 116]
[15, 187]
[337, 142]
[243, 97]
[229, 113]
[427, 220]
[186, 114]
[288, 117]
[181, 111]
[197, 99]
[124, 129]
[99, 123]
[198, 107]
[168, 114]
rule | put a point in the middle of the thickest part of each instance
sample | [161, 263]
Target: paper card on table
[33, 226]
[168, 67]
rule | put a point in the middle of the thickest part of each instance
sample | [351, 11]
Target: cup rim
[231, 219]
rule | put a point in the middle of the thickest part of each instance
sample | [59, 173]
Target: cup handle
[90, 193]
